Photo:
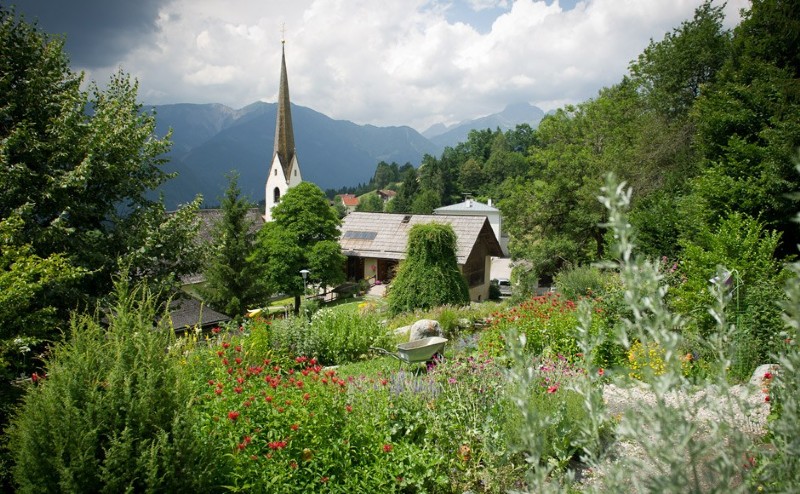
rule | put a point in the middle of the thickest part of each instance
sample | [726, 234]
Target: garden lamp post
[304, 273]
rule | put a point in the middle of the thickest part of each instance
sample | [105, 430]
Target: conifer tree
[232, 280]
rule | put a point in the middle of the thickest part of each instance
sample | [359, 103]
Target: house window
[295, 173]
[276, 172]
[276, 195]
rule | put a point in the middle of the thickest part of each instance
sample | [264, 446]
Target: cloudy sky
[387, 62]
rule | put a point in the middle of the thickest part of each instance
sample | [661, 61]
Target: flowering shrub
[548, 323]
[548, 395]
[646, 360]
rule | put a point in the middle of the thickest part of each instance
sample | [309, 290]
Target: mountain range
[211, 140]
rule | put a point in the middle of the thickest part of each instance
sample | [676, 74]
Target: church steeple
[284, 132]
[284, 171]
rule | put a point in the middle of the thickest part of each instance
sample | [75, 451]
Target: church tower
[284, 172]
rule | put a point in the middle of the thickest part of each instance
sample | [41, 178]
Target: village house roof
[349, 200]
[208, 218]
[188, 313]
[470, 205]
[386, 194]
[385, 236]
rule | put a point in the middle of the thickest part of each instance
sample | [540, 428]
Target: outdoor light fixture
[304, 273]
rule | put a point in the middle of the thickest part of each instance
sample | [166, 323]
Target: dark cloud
[99, 32]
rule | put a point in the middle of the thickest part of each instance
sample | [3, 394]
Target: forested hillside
[704, 127]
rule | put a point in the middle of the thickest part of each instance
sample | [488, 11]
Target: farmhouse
[375, 243]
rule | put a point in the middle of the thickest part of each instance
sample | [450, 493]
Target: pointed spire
[284, 133]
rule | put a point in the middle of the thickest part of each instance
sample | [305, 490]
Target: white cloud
[398, 62]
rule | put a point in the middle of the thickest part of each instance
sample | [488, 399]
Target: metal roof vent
[406, 218]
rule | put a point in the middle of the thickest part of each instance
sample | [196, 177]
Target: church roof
[284, 132]
[385, 236]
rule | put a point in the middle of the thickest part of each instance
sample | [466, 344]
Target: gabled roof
[284, 132]
[187, 313]
[210, 217]
[387, 193]
[349, 200]
[385, 236]
[470, 206]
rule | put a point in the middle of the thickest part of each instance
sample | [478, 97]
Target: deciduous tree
[302, 235]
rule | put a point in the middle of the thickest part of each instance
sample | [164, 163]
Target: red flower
[238, 360]
[294, 427]
[552, 389]
[216, 330]
[767, 376]
[323, 479]
[600, 372]
[233, 415]
[349, 408]
[237, 390]
[766, 398]
[226, 345]
[387, 448]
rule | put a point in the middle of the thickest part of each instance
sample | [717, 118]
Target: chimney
[490, 202]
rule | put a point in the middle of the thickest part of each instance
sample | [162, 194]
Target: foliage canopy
[429, 275]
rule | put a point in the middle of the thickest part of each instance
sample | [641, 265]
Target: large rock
[761, 371]
[425, 328]
[403, 332]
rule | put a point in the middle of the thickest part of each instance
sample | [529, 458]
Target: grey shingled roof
[385, 236]
[187, 312]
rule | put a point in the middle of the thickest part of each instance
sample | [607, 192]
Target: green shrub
[334, 336]
[581, 281]
[344, 335]
[113, 413]
[429, 275]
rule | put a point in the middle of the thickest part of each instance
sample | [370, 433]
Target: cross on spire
[283, 33]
